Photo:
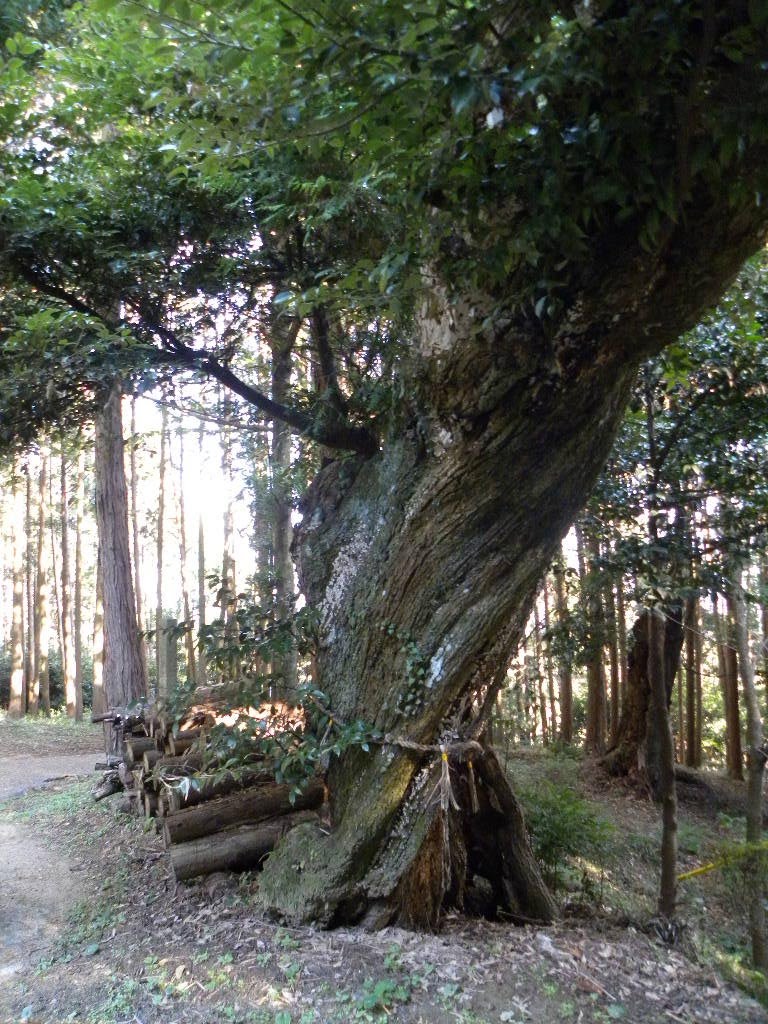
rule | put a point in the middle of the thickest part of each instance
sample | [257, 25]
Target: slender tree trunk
[699, 654]
[666, 780]
[621, 629]
[755, 770]
[124, 671]
[54, 566]
[29, 604]
[78, 609]
[733, 751]
[595, 734]
[613, 660]
[537, 660]
[660, 747]
[160, 640]
[550, 667]
[678, 728]
[228, 582]
[565, 683]
[188, 636]
[763, 662]
[6, 561]
[97, 649]
[691, 726]
[284, 666]
[135, 516]
[42, 601]
[201, 615]
[16, 706]
[137, 588]
[261, 490]
[720, 641]
[68, 665]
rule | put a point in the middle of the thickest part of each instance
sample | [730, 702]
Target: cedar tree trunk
[564, 664]
[17, 705]
[755, 770]
[283, 338]
[637, 743]
[663, 777]
[124, 672]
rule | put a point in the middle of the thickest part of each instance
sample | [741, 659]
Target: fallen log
[192, 761]
[150, 758]
[240, 849]
[107, 716]
[136, 747]
[109, 784]
[166, 780]
[208, 789]
[252, 805]
[128, 720]
[182, 741]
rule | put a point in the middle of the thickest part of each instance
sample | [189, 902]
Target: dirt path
[39, 886]
[18, 774]
[91, 891]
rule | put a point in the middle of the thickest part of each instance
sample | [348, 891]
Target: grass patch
[55, 802]
[48, 734]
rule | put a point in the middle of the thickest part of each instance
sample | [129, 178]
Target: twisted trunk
[423, 563]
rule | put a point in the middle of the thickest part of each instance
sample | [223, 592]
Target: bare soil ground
[39, 887]
[117, 940]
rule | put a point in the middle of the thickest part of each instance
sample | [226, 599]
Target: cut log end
[252, 805]
[240, 849]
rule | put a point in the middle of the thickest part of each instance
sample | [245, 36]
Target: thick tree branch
[40, 283]
[339, 434]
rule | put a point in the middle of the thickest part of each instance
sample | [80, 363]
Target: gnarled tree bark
[423, 559]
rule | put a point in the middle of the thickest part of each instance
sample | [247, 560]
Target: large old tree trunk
[423, 560]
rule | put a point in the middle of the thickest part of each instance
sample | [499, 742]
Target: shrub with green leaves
[561, 825]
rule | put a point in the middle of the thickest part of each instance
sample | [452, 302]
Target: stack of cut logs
[211, 820]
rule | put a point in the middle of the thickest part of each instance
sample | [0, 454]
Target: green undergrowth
[599, 849]
[563, 827]
[572, 835]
